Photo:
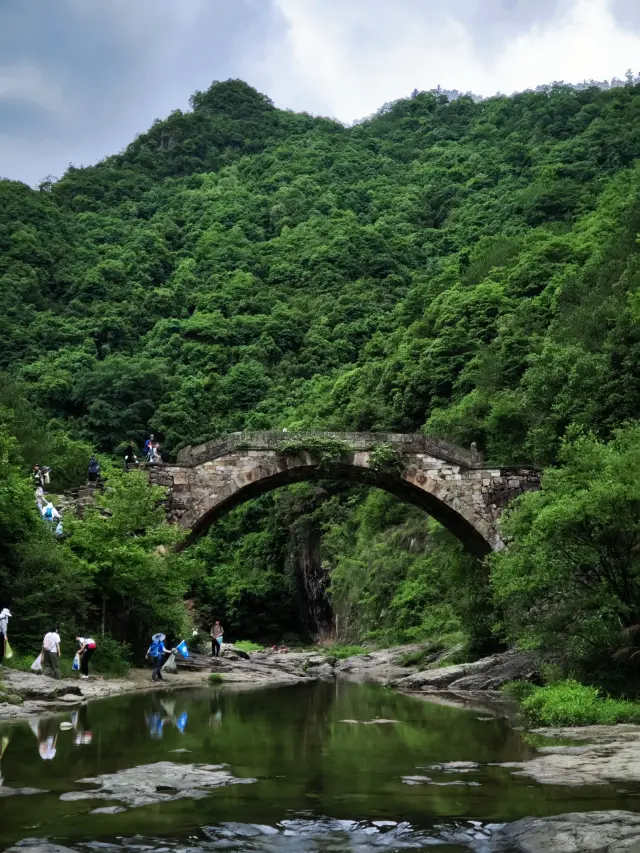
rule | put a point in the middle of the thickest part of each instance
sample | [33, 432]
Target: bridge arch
[451, 484]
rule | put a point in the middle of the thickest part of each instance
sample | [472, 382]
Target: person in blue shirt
[156, 654]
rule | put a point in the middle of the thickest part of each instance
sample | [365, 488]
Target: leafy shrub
[216, 678]
[568, 703]
[518, 691]
[111, 657]
[342, 652]
[248, 646]
[325, 450]
[384, 457]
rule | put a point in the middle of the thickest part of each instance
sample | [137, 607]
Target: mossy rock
[11, 699]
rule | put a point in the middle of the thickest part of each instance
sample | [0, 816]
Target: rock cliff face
[304, 559]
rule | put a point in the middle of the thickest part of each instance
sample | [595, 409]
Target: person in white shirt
[5, 615]
[51, 654]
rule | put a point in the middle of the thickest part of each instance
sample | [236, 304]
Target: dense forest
[466, 269]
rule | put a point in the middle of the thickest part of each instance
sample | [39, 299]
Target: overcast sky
[80, 78]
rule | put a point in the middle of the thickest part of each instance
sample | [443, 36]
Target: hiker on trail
[38, 477]
[217, 633]
[148, 447]
[46, 475]
[50, 513]
[51, 651]
[86, 650]
[154, 453]
[156, 653]
[5, 615]
[40, 498]
[94, 470]
[130, 458]
[59, 531]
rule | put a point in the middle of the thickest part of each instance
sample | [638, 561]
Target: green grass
[569, 703]
[216, 678]
[248, 646]
[342, 652]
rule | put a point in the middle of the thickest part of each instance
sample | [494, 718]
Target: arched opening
[472, 531]
[218, 489]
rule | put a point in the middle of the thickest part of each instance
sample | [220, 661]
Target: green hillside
[466, 269]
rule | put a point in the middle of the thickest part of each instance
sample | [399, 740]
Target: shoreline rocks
[588, 832]
[487, 674]
[608, 754]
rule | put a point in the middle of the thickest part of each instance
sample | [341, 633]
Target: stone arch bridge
[451, 484]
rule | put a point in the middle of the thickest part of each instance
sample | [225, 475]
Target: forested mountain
[466, 269]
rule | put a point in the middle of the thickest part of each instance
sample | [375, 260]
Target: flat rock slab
[613, 755]
[156, 783]
[378, 666]
[593, 832]
[17, 792]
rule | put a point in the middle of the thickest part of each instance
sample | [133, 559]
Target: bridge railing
[271, 440]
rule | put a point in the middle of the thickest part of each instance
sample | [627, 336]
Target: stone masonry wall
[211, 476]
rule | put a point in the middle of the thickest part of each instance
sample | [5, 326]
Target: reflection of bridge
[451, 484]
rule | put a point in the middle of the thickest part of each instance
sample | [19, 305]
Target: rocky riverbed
[594, 832]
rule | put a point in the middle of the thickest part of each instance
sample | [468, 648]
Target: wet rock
[38, 845]
[454, 767]
[377, 721]
[415, 780]
[108, 810]
[156, 783]
[613, 755]
[379, 667]
[17, 792]
[593, 832]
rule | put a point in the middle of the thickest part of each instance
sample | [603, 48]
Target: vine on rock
[325, 450]
[384, 457]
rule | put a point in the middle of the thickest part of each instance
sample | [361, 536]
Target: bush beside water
[569, 703]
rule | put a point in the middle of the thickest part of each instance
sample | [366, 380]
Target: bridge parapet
[409, 443]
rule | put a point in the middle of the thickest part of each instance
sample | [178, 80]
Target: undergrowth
[569, 703]
[248, 646]
[342, 652]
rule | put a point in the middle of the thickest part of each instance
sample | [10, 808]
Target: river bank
[586, 759]
[26, 694]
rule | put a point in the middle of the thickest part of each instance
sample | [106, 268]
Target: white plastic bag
[8, 651]
[170, 665]
[75, 666]
[36, 666]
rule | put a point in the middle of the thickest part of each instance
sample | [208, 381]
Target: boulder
[486, 674]
[150, 784]
[591, 832]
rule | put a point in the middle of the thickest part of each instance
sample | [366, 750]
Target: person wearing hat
[156, 653]
[5, 615]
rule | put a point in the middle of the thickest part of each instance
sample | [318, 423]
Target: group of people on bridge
[151, 451]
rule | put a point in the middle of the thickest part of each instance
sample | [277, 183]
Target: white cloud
[329, 62]
[26, 82]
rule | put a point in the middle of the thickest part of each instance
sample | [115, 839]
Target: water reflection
[162, 714]
[316, 752]
[46, 732]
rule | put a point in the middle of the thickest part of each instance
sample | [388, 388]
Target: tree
[570, 580]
